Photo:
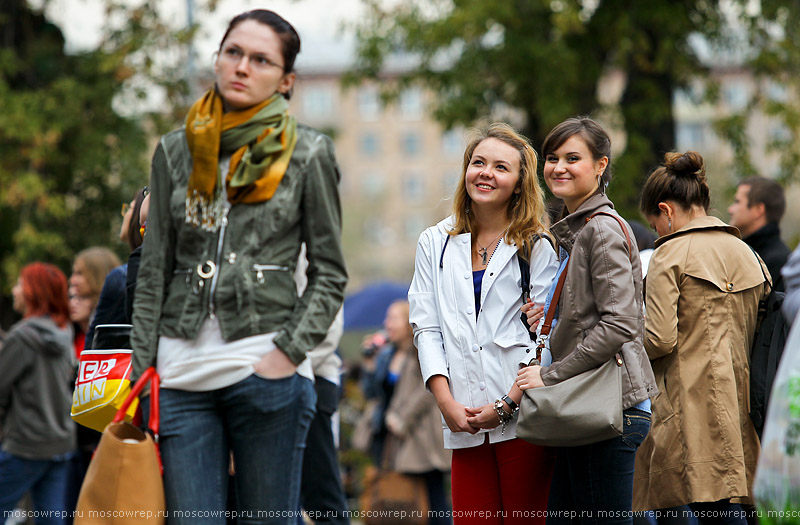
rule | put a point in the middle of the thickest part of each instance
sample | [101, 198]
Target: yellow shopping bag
[104, 379]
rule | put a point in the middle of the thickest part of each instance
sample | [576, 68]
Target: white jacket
[480, 357]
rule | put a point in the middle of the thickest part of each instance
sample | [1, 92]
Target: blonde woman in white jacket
[465, 310]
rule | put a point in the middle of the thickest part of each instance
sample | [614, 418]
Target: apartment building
[399, 168]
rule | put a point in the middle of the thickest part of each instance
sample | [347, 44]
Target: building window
[779, 134]
[777, 92]
[690, 135]
[369, 104]
[373, 183]
[369, 145]
[413, 186]
[413, 226]
[736, 95]
[453, 143]
[318, 102]
[411, 143]
[411, 104]
[450, 181]
[378, 232]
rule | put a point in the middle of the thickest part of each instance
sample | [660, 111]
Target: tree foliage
[546, 59]
[72, 145]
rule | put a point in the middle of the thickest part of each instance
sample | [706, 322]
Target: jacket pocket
[268, 286]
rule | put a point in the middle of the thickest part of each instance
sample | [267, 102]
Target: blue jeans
[47, 481]
[594, 483]
[263, 422]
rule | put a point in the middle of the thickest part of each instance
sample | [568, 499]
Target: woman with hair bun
[703, 289]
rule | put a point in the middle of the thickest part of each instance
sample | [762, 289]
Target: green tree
[771, 42]
[68, 157]
[545, 59]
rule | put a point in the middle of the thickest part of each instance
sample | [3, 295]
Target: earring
[669, 224]
[600, 184]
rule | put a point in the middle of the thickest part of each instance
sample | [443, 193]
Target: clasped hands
[460, 418]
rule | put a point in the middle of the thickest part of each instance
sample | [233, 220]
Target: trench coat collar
[706, 222]
[570, 224]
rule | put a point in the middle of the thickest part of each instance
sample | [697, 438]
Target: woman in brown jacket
[407, 426]
[599, 315]
[703, 289]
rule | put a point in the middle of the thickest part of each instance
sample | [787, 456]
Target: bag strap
[758, 260]
[621, 224]
[525, 267]
[149, 376]
[548, 319]
[525, 278]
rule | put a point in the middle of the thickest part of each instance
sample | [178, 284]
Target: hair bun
[689, 164]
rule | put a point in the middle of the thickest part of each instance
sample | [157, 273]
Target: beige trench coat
[702, 293]
[421, 445]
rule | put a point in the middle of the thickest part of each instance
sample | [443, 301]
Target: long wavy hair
[525, 209]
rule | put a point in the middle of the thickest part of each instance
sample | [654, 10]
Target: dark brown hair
[592, 133]
[134, 228]
[682, 180]
[767, 192]
[290, 40]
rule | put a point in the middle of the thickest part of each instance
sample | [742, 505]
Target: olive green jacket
[254, 255]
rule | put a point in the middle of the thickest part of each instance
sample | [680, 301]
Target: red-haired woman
[38, 364]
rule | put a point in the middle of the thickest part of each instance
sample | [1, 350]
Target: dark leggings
[721, 512]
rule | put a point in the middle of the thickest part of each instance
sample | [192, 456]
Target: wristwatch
[511, 404]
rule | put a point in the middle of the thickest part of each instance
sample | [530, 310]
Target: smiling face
[249, 67]
[571, 173]
[493, 174]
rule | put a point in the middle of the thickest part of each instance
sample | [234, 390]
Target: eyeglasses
[126, 205]
[233, 55]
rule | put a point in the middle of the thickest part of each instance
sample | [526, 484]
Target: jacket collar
[570, 224]
[461, 259]
[707, 222]
[768, 234]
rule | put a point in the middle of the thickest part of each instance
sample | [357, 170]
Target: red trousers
[501, 483]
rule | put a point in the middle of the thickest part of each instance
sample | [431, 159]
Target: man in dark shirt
[756, 210]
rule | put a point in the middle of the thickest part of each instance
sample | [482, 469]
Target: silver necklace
[483, 251]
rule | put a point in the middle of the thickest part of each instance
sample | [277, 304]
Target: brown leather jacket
[600, 310]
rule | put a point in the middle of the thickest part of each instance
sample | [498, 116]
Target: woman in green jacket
[235, 193]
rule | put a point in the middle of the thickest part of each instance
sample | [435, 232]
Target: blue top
[477, 282]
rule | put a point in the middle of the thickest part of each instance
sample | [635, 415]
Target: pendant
[483, 256]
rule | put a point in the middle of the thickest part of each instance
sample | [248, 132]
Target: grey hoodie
[37, 372]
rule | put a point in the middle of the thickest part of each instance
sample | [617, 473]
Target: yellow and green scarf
[260, 139]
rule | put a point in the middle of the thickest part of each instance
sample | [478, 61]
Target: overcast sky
[317, 21]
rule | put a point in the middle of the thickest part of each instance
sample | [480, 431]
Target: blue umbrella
[366, 308]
